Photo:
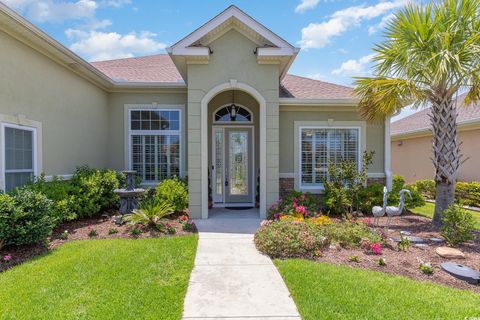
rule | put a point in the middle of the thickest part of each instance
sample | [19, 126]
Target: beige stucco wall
[374, 134]
[411, 158]
[73, 112]
[229, 52]
[118, 104]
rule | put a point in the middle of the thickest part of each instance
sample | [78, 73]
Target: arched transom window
[233, 113]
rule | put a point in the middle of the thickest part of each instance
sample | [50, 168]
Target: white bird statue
[378, 211]
[396, 211]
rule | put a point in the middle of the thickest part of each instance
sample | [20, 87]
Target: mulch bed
[80, 230]
[407, 263]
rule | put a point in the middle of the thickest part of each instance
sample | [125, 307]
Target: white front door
[232, 167]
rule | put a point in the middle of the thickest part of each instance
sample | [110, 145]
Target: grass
[428, 209]
[102, 279]
[324, 291]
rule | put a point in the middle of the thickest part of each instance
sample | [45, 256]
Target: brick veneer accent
[382, 181]
[287, 185]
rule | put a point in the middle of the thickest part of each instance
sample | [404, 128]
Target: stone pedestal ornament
[129, 195]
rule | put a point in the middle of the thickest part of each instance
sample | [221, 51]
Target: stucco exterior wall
[229, 52]
[118, 124]
[374, 134]
[72, 111]
[411, 157]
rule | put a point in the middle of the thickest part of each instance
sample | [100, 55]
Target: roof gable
[194, 48]
[232, 17]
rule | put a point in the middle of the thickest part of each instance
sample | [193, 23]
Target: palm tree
[430, 53]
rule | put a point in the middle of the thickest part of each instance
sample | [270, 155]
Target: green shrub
[349, 234]
[371, 196]
[426, 188]
[25, 217]
[284, 239]
[93, 191]
[458, 225]
[175, 192]
[345, 184]
[60, 192]
[398, 183]
[468, 193]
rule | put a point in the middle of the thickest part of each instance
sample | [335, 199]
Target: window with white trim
[155, 143]
[19, 151]
[321, 146]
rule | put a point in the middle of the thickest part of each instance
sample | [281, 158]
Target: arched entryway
[233, 141]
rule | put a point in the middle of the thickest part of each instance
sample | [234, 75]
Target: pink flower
[296, 222]
[264, 223]
[302, 197]
[7, 258]
[301, 210]
[376, 248]
[276, 216]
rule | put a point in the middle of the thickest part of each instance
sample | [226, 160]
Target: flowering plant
[296, 204]
[376, 248]
[321, 220]
[188, 225]
[7, 258]
[183, 218]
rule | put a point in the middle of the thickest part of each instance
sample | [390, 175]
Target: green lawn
[102, 279]
[428, 208]
[324, 291]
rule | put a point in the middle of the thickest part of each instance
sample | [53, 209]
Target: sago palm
[149, 213]
[430, 53]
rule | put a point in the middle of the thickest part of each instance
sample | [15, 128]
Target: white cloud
[305, 5]
[114, 3]
[54, 11]
[318, 35]
[383, 23]
[95, 45]
[354, 67]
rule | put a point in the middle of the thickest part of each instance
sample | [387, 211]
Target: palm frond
[381, 97]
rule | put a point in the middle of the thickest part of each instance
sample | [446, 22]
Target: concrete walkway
[231, 279]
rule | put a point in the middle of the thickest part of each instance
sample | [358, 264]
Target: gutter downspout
[387, 155]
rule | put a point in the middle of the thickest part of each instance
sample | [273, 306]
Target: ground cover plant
[325, 291]
[102, 279]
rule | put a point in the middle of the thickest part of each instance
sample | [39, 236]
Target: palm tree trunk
[446, 152]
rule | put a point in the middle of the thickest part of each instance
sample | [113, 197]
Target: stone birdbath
[128, 195]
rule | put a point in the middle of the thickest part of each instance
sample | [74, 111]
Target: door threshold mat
[238, 208]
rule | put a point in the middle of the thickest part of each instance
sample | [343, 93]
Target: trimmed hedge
[86, 194]
[25, 217]
[466, 193]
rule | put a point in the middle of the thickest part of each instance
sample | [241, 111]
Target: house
[220, 107]
[412, 144]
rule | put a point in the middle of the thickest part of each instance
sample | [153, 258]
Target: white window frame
[130, 133]
[300, 125]
[232, 122]
[4, 143]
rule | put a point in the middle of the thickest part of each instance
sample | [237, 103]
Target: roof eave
[16, 26]
[349, 102]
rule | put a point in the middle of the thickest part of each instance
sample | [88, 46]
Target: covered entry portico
[233, 148]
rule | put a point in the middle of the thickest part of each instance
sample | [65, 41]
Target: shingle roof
[156, 68]
[160, 68]
[305, 88]
[420, 120]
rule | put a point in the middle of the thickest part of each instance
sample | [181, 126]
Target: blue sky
[336, 36]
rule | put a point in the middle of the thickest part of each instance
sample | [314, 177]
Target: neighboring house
[412, 144]
[220, 103]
